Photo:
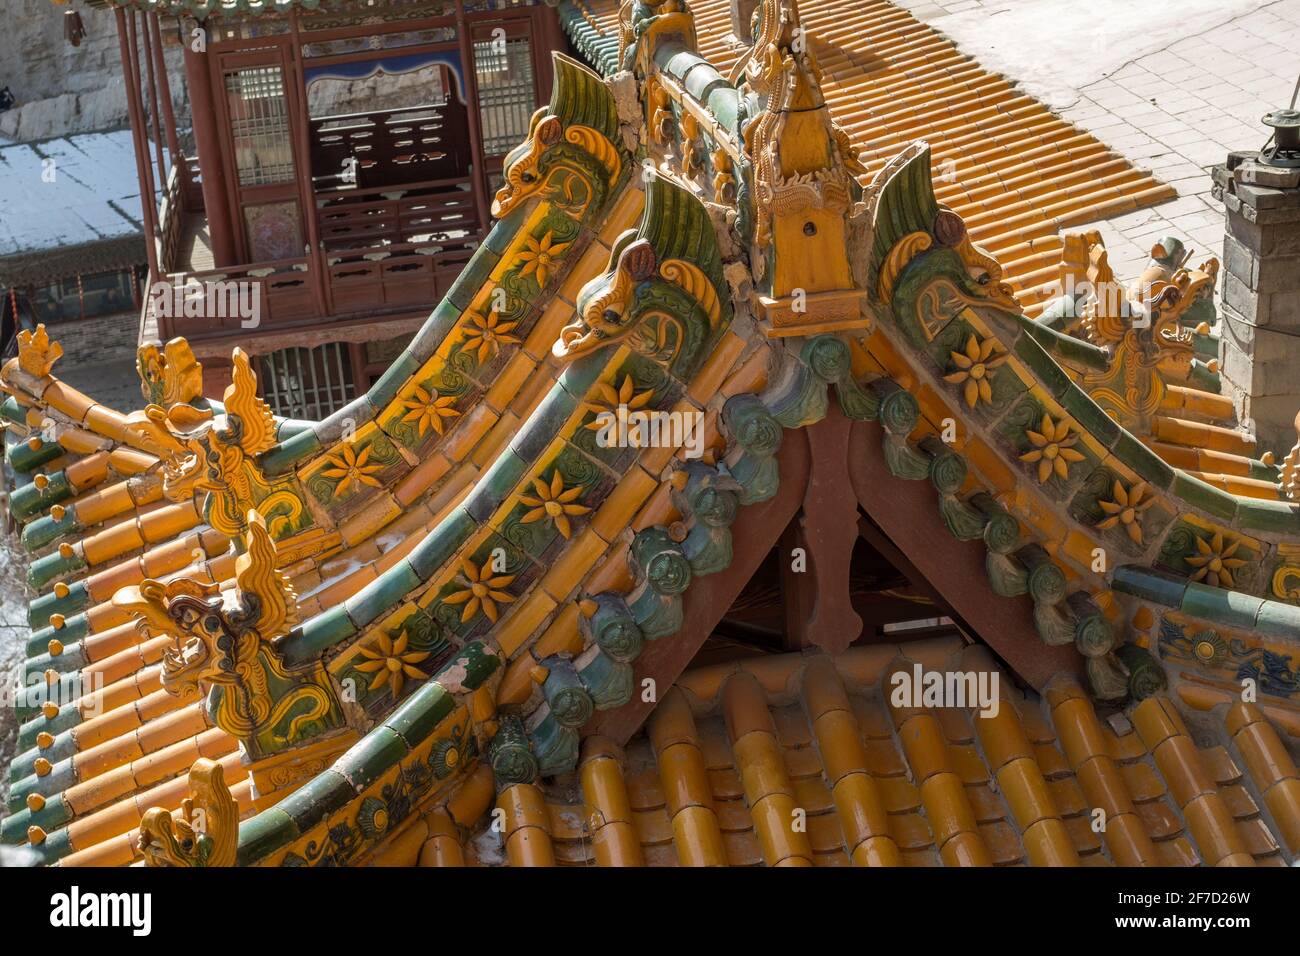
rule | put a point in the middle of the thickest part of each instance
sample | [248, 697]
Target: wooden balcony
[383, 250]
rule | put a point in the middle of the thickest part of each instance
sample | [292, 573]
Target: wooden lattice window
[308, 383]
[259, 125]
[507, 93]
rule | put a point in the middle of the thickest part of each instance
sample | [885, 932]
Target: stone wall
[62, 89]
[1260, 331]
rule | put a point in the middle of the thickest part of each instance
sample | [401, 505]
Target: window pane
[506, 94]
[259, 125]
[106, 293]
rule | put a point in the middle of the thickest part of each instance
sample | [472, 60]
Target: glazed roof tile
[730, 756]
[1017, 173]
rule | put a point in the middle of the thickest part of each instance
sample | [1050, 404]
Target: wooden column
[165, 89]
[207, 141]
[126, 41]
[469, 81]
[827, 530]
[155, 113]
[302, 168]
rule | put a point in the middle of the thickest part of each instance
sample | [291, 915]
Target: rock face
[59, 88]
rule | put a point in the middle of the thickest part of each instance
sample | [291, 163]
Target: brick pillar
[1260, 332]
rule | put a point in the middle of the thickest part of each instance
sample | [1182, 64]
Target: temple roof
[735, 751]
[1003, 160]
[350, 636]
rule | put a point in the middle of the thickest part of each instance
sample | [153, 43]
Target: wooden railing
[387, 148]
[171, 218]
[248, 298]
[437, 212]
[383, 249]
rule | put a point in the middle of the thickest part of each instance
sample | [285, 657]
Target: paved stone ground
[113, 383]
[1177, 111]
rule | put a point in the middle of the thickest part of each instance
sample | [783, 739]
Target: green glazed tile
[28, 500]
[69, 716]
[1255, 514]
[417, 717]
[314, 801]
[368, 759]
[1276, 619]
[74, 629]
[1203, 495]
[442, 543]
[1147, 464]
[1159, 587]
[495, 486]
[385, 390]
[1090, 416]
[381, 595]
[472, 278]
[288, 453]
[270, 830]
[55, 847]
[1229, 608]
[53, 566]
[1054, 379]
[323, 631]
[24, 458]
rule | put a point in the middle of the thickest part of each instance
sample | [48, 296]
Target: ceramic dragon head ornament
[37, 353]
[1154, 322]
[662, 291]
[169, 374]
[207, 831]
[225, 638]
[216, 630]
[522, 170]
[643, 24]
[604, 314]
[171, 379]
[569, 154]
[1150, 329]
[217, 455]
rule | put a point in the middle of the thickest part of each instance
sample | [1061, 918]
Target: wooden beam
[908, 513]
[797, 588]
[155, 111]
[165, 88]
[302, 168]
[469, 87]
[872, 534]
[756, 530]
[207, 143]
[828, 528]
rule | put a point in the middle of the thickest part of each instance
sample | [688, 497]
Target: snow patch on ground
[1054, 48]
[14, 634]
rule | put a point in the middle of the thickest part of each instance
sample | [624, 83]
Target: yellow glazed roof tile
[1041, 812]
